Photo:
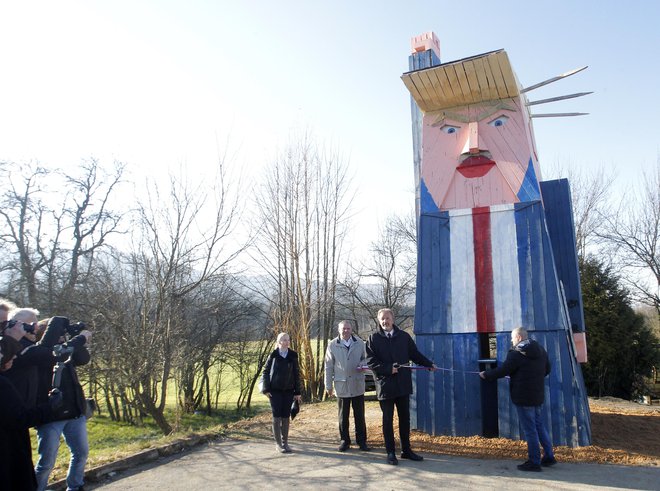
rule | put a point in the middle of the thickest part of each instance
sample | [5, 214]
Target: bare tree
[24, 230]
[303, 208]
[181, 247]
[89, 218]
[387, 278]
[633, 236]
[52, 221]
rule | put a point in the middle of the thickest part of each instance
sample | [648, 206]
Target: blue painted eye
[499, 121]
[449, 129]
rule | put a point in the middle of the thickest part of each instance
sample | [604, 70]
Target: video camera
[62, 350]
[59, 327]
[75, 329]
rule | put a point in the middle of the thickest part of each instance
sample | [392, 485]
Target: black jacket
[527, 364]
[282, 373]
[24, 373]
[383, 352]
[16, 467]
[73, 403]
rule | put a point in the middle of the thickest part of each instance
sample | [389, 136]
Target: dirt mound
[623, 433]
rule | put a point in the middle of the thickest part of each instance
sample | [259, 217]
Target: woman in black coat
[16, 467]
[281, 383]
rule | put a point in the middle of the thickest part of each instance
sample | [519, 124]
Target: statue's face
[478, 155]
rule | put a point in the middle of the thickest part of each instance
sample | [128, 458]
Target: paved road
[254, 464]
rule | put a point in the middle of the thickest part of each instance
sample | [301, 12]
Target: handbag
[295, 409]
[261, 383]
[90, 407]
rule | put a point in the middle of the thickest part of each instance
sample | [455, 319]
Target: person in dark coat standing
[69, 419]
[16, 467]
[281, 383]
[388, 350]
[527, 365]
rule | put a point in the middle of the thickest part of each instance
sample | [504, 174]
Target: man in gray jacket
[344, 355]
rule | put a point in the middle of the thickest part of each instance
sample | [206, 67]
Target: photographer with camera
[16, 467]
[25, 370]
[69, 420]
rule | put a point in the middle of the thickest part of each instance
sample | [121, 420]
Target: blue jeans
[75, 436]
[532, 422]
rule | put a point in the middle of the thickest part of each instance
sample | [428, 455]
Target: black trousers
[345, 404]
[403, 412]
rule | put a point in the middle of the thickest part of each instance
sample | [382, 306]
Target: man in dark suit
[388, 351]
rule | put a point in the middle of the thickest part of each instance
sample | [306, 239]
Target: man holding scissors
[389, 350]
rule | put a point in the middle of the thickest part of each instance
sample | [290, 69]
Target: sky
[161, 84]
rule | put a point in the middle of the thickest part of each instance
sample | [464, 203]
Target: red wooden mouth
[477, 166]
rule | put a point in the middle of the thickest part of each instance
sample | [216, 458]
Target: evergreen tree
[622, 348]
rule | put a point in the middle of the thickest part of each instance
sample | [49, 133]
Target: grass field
[110, 440]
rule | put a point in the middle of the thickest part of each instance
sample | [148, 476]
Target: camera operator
[69, 420]
[16, 467]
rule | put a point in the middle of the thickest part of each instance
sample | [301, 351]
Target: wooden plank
[500, 84]
[459, 96]
[553, 79]
[422, 390]
[447, 359]
[463, 311]
[482, 79]
[565, 364]
[524, 265]
[473, 385]
[426, 102]
[555, 400]
[439, 420]
[463, 81]
[440, 84]
[583, 415]
[412, 88]
[506, 286]
[507, 74]
[558, 98]
[423, 314]
[459, 398]
[443, 78]
[434, 278]
[559, 217]
[488, 72]
[444, 288]
[553, 302]
[430, 87]
[506, 412]
[537, 270]
[476, 92]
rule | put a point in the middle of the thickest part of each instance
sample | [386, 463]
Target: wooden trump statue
[496, 249]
